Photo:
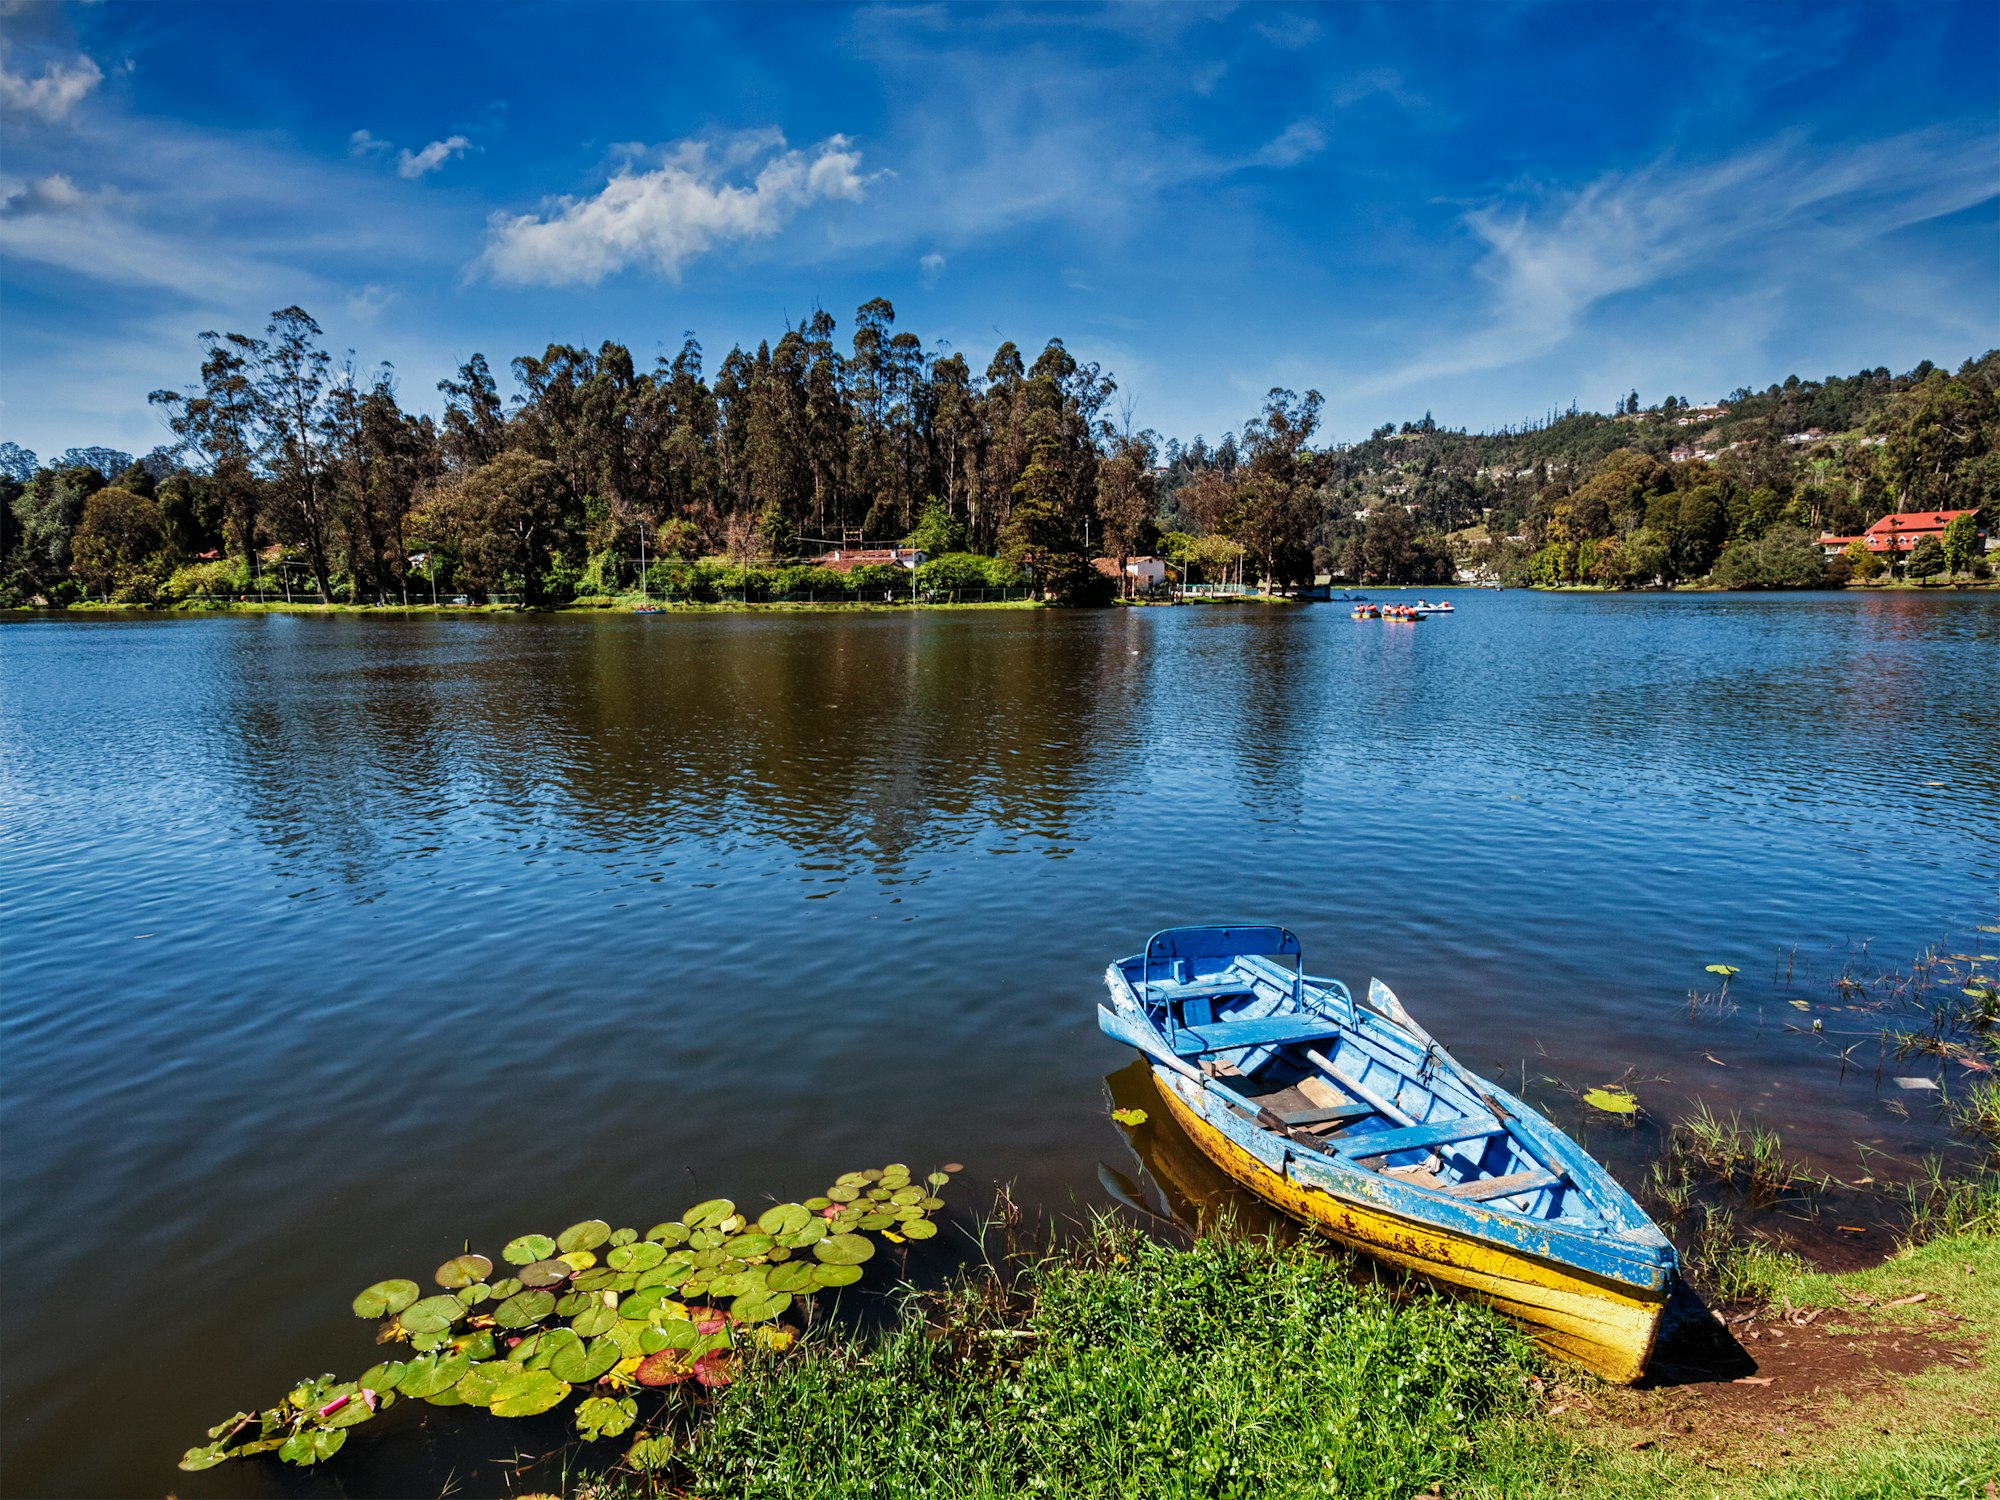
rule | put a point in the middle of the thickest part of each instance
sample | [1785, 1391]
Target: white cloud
[667, 216]
[52, 95]
[368, 302]
[1763, 213]
[417, 164]
[930, 268]
[1299, 141]
[362, 143]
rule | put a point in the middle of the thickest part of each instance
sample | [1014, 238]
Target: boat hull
[1605, 1325]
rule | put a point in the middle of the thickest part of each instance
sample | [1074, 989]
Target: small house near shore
[1899, 531]
[1144, 573]
[847, 559]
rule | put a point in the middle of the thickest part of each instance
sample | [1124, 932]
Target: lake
[331, 942]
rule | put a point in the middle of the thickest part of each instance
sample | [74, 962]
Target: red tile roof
[1901, 530]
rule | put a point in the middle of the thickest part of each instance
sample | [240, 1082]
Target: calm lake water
[332, 942]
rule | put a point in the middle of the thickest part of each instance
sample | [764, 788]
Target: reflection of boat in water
[1354, 1119]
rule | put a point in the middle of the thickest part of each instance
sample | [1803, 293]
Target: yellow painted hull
[1603, 1325]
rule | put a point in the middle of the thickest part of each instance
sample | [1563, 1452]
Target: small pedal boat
[1353, 1118]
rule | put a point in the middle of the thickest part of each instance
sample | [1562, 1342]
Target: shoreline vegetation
[291, 471]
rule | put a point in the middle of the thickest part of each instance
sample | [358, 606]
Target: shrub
[223, 576]
[956, 571]
[1784, 557]
[878, 578]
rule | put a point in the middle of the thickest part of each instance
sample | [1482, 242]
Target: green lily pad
[435, 1338]
[783, 1218]
[938, 1179]
[794, 1276]
[385, 1299]
[383, 1377]
[428, 1374]
[539, 1351]
[1612, 1100]
[1725, 970]
[750, 1245]
[832, 1275]
[475, 1294]
[594, 1320]
[639, 1305]
[623, 1237]
[814, 1205]
[353, 1414]
[477, 1385]
[907, 1195]
[651, 1453]
[874, 1221]
[809, 1233]
[709, 1212]
[205, 1457]
[677, 1333]
[919, 1229]
[583, 1363]
[506, 1286]
[312, 1445]
[476, 1345]
[432, 1315]
[759, 1307]
[524, 1308]
[528, 1249]
[705, 1239]
[528, 1394]
[668, 1232]
[546, 1273]
[587, 1234]
[463, 1271]
[843, 1192]
[640, 1256]
[606, 1416]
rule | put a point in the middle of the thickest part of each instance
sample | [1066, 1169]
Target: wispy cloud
[363, 143]
[1550, 261]
[1299, 141]
[930, 268]
[52, 93]
[666, 216]
[415, 164]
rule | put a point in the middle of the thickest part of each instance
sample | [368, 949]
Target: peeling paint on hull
[1607, 1326]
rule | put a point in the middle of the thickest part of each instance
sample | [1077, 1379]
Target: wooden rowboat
[1352, 1117]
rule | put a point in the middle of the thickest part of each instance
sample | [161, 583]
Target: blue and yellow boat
[1353, 1118]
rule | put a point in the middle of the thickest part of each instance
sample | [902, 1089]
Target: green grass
[1126, 1367]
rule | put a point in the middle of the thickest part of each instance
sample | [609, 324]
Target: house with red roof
[1899, 531]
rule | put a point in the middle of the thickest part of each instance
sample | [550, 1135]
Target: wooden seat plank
[1325, 1114]
[1268, 1031]
[1416, 1137]
[1531, 1181]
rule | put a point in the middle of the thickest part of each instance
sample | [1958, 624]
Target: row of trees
[285, 461]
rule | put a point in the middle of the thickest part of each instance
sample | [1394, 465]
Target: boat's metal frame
[1427, 1166]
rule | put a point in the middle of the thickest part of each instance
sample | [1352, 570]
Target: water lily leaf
[749, 1246]
[427, 1374]
[809, 1233]
[383, 1377]
[939, 1179]
[623, 1237]
[907, 1195]
[528, 1394]
[832, 1275]
[814, 1205]
[582, 1363]
[872, 1221]
[636, 1257]
[463, 1271]
[204, 1457]
[472, 1296]
[476, 1345]
[650, 1453]
[794, 1276]
[760, 1306]
[578, 1260]
[709, 1212]
[386, 1298]
[524, 1308]
[477, 1386]
[843, 1192]
[606, 1416]
[506, 1286]
[539, 1351]
[678, 1333]
[546, 1273]
[587, 1234]
[311, 1445]
[596, 1279]
[666, 1367]
[920, 1229]
[1612, 1100]
[712, 1369]
[1122, 1116]
[594, 1320]
[1725, 970]
[434, 1338]
[528, 1249]
[784, 1218]
[669, 1232]
[432, 1315]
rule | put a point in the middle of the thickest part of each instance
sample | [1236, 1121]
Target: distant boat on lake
[1353, 1118]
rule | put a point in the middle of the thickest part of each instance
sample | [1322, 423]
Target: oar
[1359, 1090]
[1132, 1034]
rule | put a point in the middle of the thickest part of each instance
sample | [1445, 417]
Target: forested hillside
[286, 462]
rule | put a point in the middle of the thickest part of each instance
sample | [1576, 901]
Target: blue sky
[1481, 211]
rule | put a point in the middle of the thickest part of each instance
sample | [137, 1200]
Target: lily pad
[920, 1229]
[623, 1237]
[1725, 970]
[836, 1275]
[528, 1394]
[667, 1367]
[596, 1279]
[386, 1298]
[794, 1276]
[432, 1315]
[427, 1374]
[809, 1233]
[843, 1192]
[383, 1377]
[546, 1273]
[708, 1212]
[606, 1416]
[463, 1271]
[476, 1345]
[1612, 1100]
[528, 1249]
[759, 1307]
[312, 1445]
[784, 1218]
[668, 1232]
[650, 1453]
[580, 1364]
[578, 1260]
[939, 1179]
[907, 1195]
[594, 1320]
[678, 1333]
[750, 1245]
[524, 1308]
[586, 1234]
[205, 1457]
[478, 1385]
[506, 1286]
[539, 1351]
[475, 1294]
